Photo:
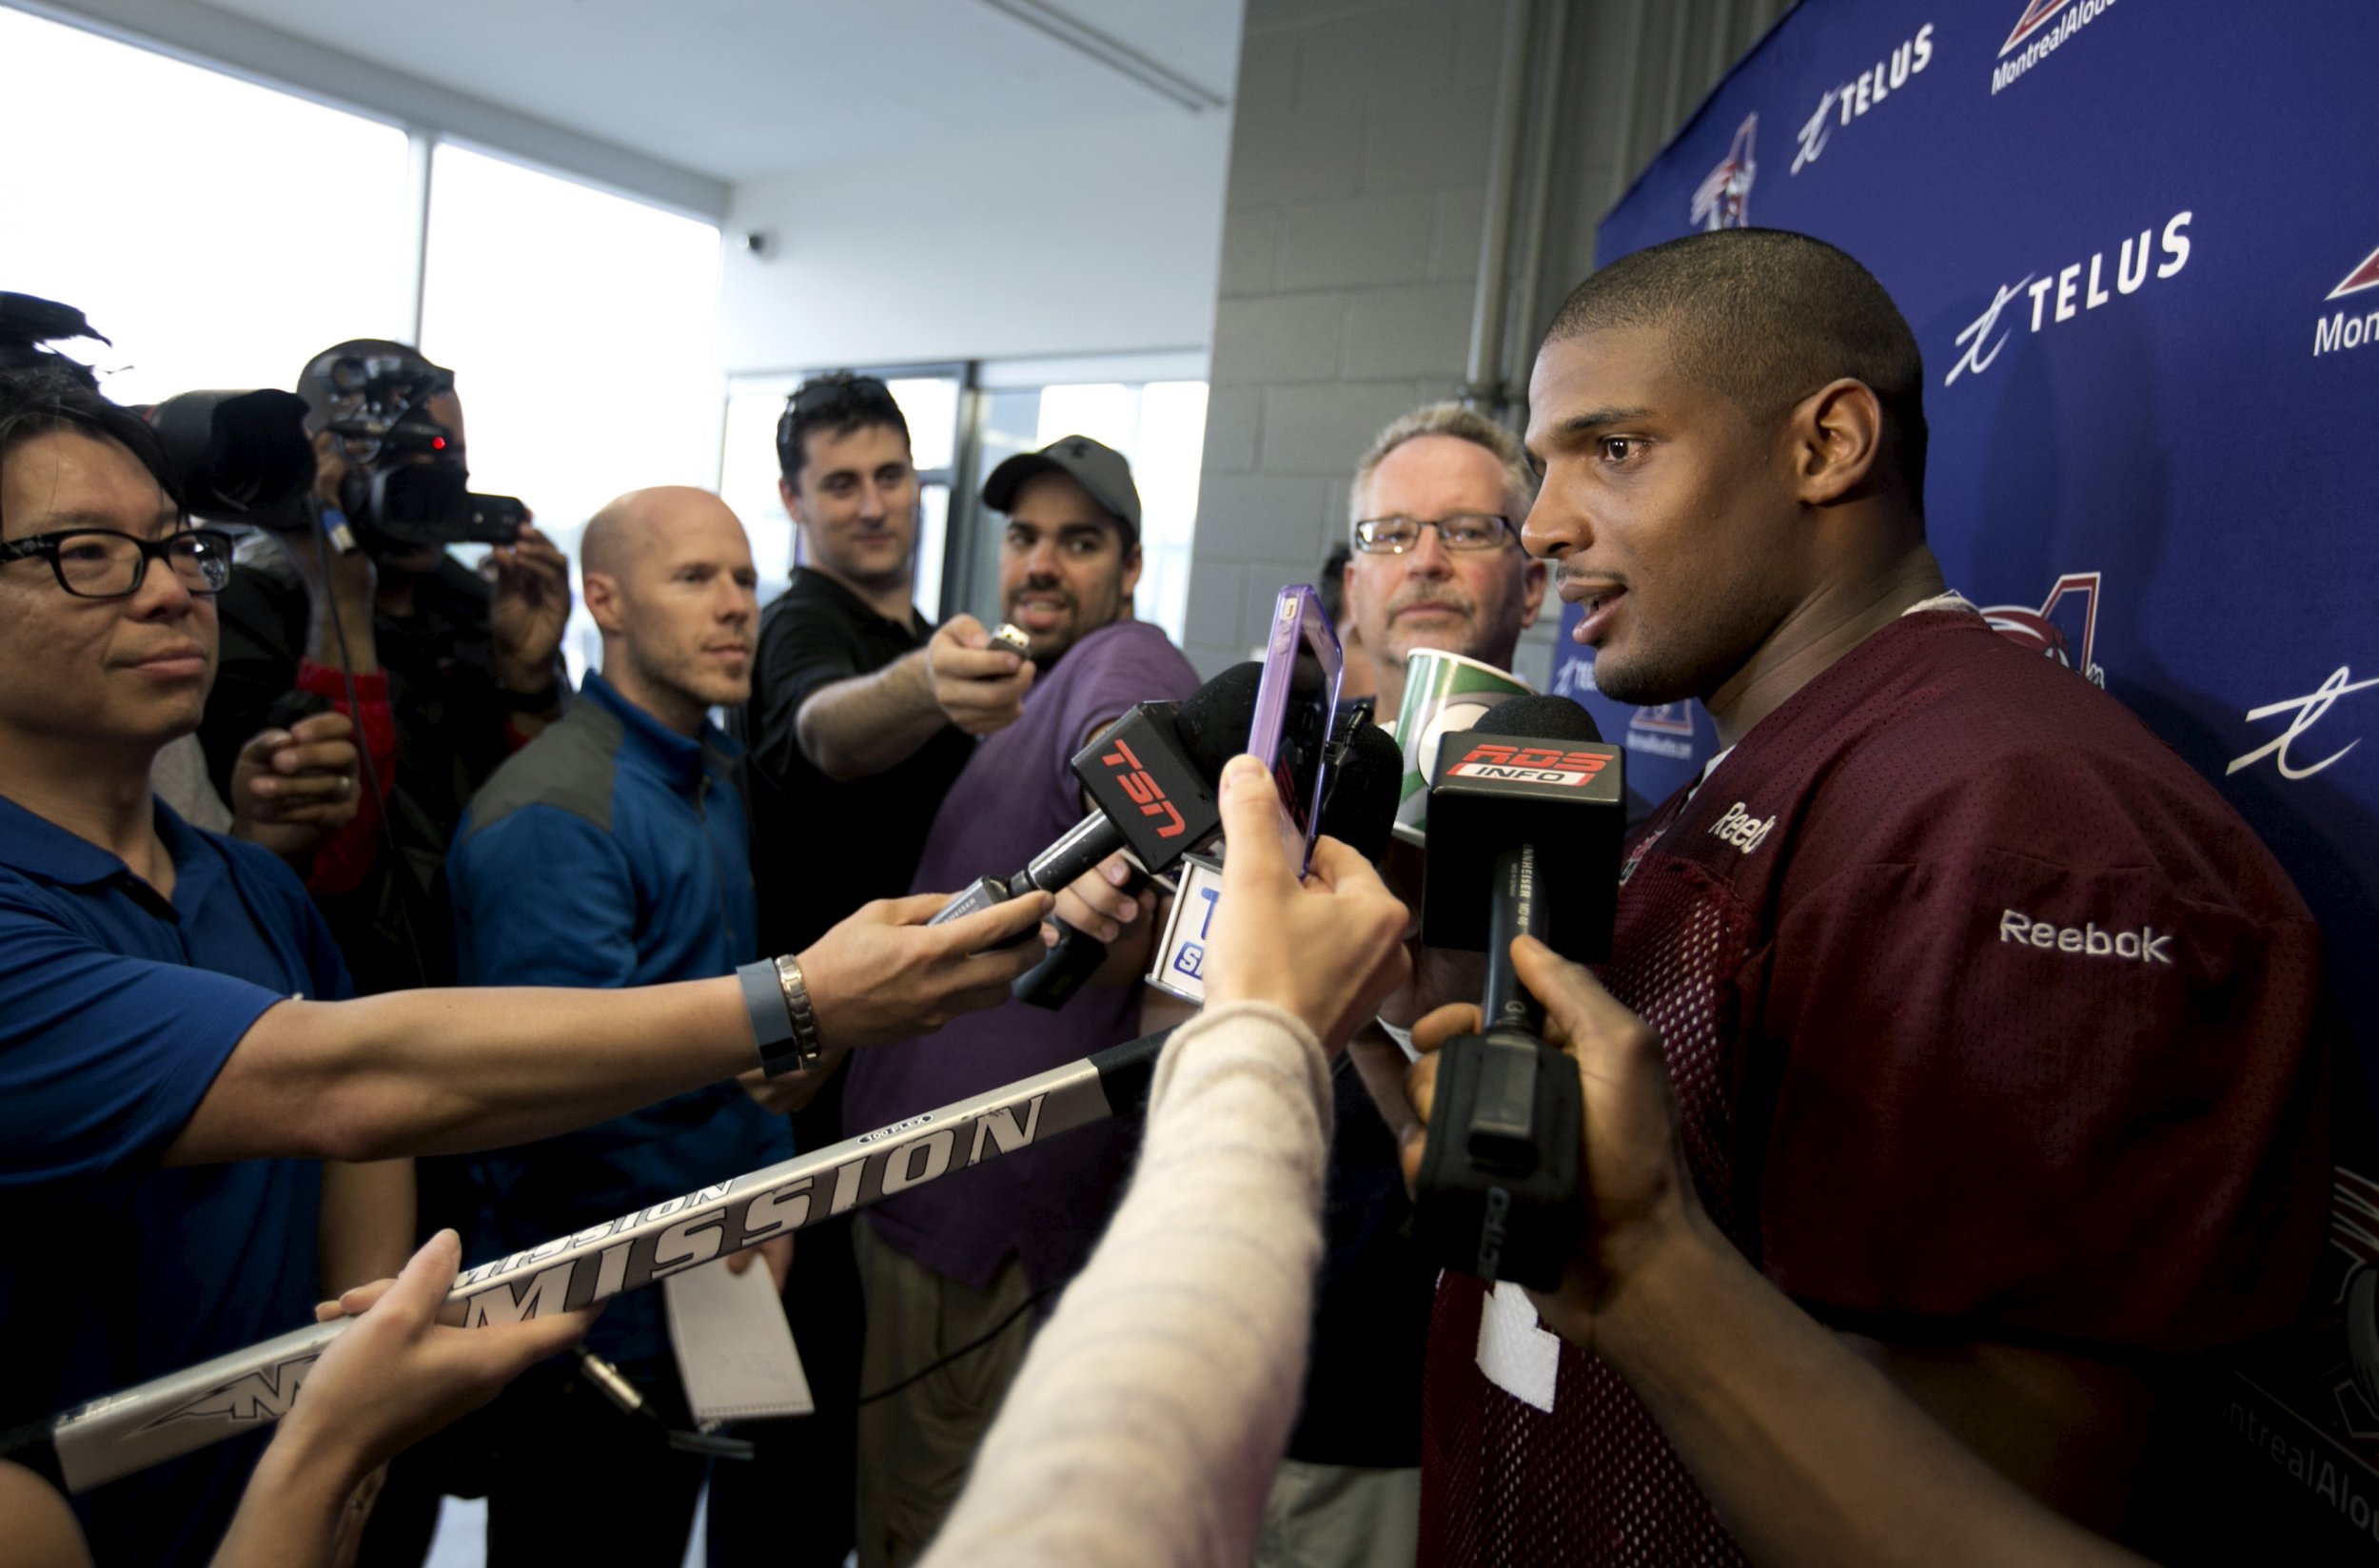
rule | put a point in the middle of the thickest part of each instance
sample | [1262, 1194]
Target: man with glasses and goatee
[1437, 505]
[1436, 562]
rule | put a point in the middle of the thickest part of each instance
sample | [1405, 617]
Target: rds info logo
[1723, 198]
[2356, 324]
[2065, 628]
[1984, 337]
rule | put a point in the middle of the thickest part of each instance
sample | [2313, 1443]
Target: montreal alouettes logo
[1723, 198]
[2065, 628]
[2355, 325]
[2364, 276]
[2044, 27]
[2037, 15]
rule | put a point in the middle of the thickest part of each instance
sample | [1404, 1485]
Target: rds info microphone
[1525, 817]
[1151, 779]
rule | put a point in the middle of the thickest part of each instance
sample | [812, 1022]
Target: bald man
[613, 851]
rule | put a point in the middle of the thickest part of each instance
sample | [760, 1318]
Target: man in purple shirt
[961, 1260]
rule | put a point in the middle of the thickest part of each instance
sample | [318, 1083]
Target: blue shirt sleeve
[103, 1057]
[543, 897]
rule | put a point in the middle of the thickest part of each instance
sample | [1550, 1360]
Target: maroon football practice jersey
[1988, 1018]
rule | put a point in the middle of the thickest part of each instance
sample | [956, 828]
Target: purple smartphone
[1295, 703]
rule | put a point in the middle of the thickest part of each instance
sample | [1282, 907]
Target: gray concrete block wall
[1350, 248]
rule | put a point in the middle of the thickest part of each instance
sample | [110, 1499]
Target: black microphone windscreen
[1213, 720]
[1540, 718]
[1361, 808]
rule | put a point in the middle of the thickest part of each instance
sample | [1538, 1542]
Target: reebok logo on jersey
[1741, 829]
[2143, 946]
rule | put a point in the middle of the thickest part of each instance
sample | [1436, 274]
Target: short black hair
[43, 397]
[1766, 317]
[839, 401]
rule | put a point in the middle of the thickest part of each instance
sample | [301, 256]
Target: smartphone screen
[1295, 704]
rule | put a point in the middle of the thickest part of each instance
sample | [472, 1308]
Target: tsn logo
[1530, 765]
[1143, 789]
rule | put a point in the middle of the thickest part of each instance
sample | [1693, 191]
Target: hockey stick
[240, 1392]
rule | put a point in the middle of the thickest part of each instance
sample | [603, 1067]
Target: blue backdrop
[2138, 241]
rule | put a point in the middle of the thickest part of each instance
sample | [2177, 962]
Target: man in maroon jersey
[1993, 1029]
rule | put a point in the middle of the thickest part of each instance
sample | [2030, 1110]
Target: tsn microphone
[1151, 779]
[1525, 818]
[1364, 769]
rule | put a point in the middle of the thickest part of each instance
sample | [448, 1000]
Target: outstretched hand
[1637, 1197]
[1326, 949]
[884, 974]
[399, 1374]
[978, 684]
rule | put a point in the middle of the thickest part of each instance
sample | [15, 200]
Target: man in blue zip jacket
[613, 850]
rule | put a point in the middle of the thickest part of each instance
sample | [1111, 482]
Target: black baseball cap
[1100, 469]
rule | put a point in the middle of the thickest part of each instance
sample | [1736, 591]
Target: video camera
[239, 457]
[247, 457]
[407, 486]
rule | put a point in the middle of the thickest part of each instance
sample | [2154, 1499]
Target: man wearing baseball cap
[962, 1259]
[1071, 556]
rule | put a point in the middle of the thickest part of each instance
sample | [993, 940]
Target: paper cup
[1443, 693]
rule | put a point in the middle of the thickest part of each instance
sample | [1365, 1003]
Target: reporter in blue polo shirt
[165, 993]
[613, 850]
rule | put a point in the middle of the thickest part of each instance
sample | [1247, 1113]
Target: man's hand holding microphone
[977, 681]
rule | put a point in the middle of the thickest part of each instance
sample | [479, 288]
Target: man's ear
[1836, 435]
[787, 493]
[1132, 568]
[603, 602]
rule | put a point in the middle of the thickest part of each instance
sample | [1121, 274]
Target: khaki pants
[915, 1445]
[1336, 1516]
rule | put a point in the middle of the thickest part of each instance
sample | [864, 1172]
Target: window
[581, 328]
[224, 233]
[184, 212]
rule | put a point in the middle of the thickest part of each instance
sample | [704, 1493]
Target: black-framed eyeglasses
[1456, 531]
[102, 563]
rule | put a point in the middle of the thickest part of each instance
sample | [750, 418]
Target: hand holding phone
[1296, 705]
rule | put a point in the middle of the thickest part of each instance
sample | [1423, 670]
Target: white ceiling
[736, 89]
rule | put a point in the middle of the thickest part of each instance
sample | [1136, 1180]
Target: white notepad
[735, 1349]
